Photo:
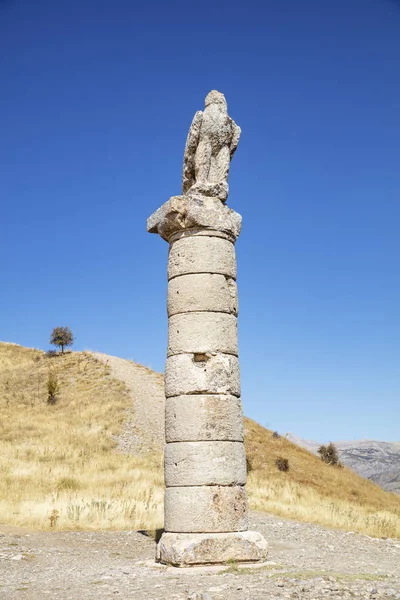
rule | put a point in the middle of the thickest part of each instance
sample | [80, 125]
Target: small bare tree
[62, 337]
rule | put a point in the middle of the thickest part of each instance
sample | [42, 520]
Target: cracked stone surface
[182, 213]
[211, 143]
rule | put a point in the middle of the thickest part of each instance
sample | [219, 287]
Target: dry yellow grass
[59, 467]
[313, 491]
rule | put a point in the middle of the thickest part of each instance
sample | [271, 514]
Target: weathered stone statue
[212, 140]
[205, 467]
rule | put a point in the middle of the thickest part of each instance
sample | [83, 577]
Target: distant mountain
[378, 461]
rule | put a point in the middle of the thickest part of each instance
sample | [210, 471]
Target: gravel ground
[305, 561]
[144, 427]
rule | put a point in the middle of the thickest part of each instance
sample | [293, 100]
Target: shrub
[282, 464]
[53, 518]
[276, 435]
[329, 455]
[61, 337]
[52, 388]
[249, 465]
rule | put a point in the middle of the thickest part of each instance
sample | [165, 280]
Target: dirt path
[306, 561]
[144, 427]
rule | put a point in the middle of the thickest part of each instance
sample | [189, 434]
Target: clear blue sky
[96, 101]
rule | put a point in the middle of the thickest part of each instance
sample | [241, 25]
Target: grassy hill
[60, 468]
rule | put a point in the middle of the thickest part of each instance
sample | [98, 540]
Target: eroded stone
[182, 213]
[202, 254]
[206, 509]
[205, 466]
[204, 463]
[212, 141]
[185, 549]
[202, 332]
[202, 374]
[203, 418]
[202, 292]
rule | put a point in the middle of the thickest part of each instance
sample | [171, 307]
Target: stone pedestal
[205, 466]
[185, 550]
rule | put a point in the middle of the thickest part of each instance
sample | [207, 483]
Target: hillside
[73, 465]
[378, 461]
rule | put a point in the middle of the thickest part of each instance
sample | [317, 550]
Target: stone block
[202, 374]
[199, 418]
[181, 213]
[202, 254]
[202, 332]
[205, 509]
[185, 549]
[202, 292]
[204, 463]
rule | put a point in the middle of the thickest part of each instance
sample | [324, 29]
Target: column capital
[198, 213]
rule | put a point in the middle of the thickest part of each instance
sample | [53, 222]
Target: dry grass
[313, 491]
[59, 467]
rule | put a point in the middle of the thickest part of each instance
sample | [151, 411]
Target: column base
[187, 549]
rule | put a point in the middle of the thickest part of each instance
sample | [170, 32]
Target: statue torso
[216, 127]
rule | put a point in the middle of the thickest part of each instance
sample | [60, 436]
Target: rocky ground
[306, 561]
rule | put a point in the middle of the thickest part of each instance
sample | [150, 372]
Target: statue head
[216, 98]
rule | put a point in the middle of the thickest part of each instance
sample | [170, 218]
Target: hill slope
[378, 461]
[60, 465]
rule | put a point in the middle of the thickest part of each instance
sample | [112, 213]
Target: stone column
[206, 517]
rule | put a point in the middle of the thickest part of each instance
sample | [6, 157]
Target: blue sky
[96, 101]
